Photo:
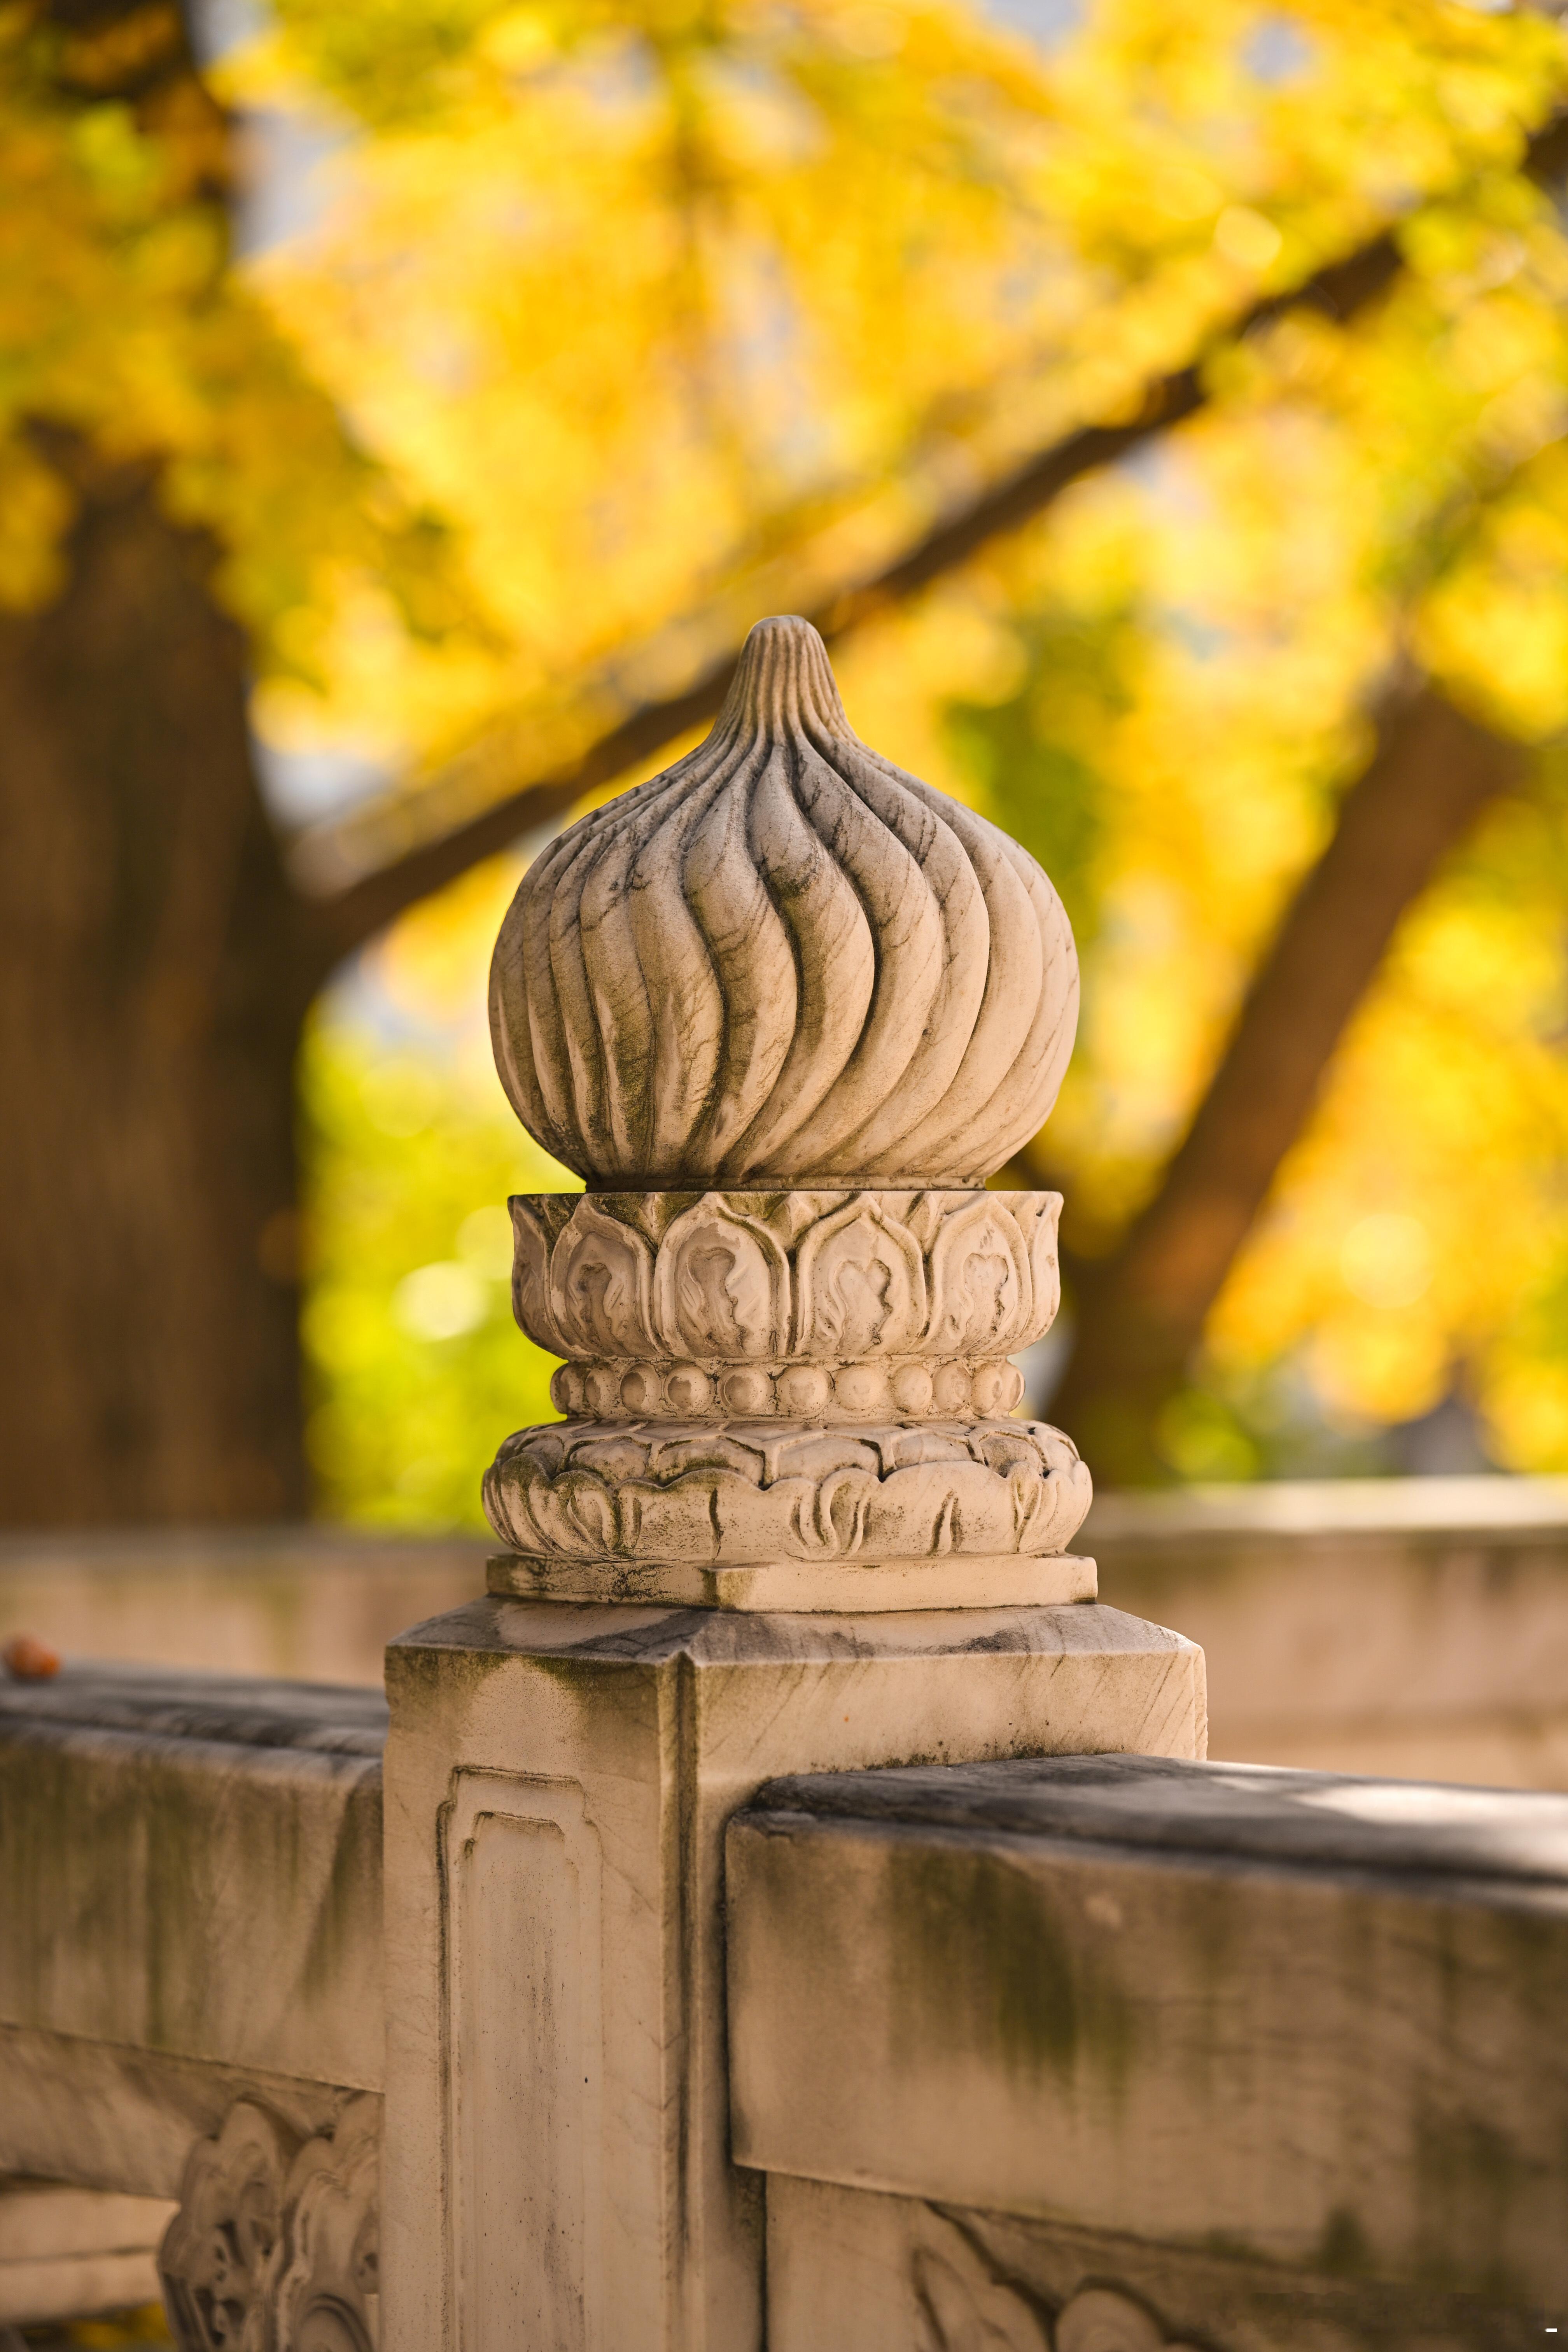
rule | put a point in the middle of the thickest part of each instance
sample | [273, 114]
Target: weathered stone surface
[217, 1897]
[854, 2271]
[783, 959]
[821, 1588]
[558, 1780]
[671, 1497]
[808, 1006]
[318, 1603]
[804, 1006]
[1413, 1627]
[192, 1932]
[107, 2115]
[1311, 2020]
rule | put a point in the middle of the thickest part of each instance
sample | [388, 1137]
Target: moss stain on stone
[987, 1958]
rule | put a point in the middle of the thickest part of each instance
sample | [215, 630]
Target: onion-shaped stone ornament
[783, 959]
[786, 1008]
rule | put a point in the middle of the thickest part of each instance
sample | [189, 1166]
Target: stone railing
[435, 2050]
[1105, 2053]
[1086, 2054]
[191, 2008]
[1416, 1627]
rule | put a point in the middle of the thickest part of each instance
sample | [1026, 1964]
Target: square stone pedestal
[558, 1777]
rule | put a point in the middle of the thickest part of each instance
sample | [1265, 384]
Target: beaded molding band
[950, 1388]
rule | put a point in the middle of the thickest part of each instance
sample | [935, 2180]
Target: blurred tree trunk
[147, 1043]
[1141, 1312]
[157, 986]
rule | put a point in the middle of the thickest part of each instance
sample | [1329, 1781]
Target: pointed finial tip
[784, 681]
[783, 625]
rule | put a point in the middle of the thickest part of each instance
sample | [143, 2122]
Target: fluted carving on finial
[784, 960]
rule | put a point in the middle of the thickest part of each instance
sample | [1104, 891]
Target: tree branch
[1141, 1311]
[1341, 289]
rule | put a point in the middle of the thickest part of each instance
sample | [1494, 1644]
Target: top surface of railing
[1495, 1504]
[243, 1710]
[1243, 1812]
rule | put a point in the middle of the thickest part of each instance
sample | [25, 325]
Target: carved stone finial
[784, 960]
[785, 1007]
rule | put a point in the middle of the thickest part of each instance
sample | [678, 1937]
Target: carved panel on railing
[966, 2306]
[275, 2246]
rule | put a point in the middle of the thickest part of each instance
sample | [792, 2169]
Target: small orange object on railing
[29, 1660]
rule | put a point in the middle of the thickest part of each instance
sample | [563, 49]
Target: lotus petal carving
[275, 2246]
[952, 1281]
[861, 1283]
[721, 1283]
[784, 958]
[725, 1495]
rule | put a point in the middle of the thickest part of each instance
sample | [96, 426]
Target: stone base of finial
[789, 1400]
[792, 1515]
[810, 1588]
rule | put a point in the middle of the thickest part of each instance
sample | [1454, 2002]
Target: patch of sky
[1027, 285]
[1204, 639]
[769, 352]
[283, 149]
[1279, 49]
[1164, 478]
[217, 26]
[358, 998]
[302, 787]
[1047, 23]
[780, 123]
[619, 78]
[282, 194]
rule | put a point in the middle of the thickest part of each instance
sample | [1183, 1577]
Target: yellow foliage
[618, 321]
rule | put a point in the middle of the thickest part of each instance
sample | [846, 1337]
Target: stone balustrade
[1072, 2054]
[699, 1950]
[1415, 1627]
[1106, 2051]
[191, 2003]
